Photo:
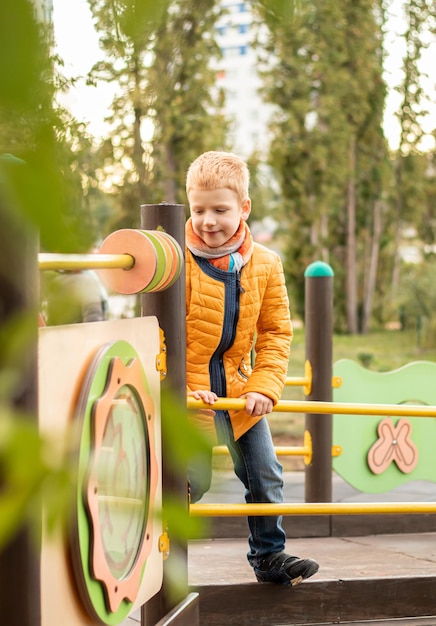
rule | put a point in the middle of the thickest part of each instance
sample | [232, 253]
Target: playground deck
[373, 577]
[362, 577]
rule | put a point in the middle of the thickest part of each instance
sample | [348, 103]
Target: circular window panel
[117, 478]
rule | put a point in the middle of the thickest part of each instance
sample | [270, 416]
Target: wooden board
[65, 353]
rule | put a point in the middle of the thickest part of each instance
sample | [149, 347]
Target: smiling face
[216, 214]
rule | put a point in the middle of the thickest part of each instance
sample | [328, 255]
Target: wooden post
[19, 559]
[319, 351]
[169, 306]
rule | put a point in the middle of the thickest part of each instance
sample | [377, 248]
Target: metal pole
[319, 350]
[325, 408]
[19, 559]
[293, 508]
[50, 261]
[169, 306]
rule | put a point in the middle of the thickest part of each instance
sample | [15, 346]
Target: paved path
[227, 488]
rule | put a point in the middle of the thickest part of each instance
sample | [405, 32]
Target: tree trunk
[138, 149]
[351, 268]
[371, 274]
[395, 285]
[319, 232]
[325, 252]
[170, 177]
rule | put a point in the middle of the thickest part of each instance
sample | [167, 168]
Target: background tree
[186, 105]
[419, 16]
[417, 300]
[126, 30]
[328, 88]
[427, 173]
[164, 80]
[34, 200]
[35, 129]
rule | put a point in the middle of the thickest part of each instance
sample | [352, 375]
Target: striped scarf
[232, 256]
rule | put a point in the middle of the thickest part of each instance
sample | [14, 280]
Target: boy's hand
[203, 418]
[209, 397]
[257, 404]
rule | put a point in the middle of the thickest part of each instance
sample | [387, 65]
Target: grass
[379, 351]
[390, 349]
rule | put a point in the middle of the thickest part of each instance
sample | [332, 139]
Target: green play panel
[406, 448]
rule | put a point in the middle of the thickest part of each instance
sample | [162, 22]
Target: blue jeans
[256, 465]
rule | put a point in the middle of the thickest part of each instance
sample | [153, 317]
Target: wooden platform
[374, 570]
[380, 577]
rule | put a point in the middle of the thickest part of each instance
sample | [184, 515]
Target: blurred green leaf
[19, 60]
[15, 336]
[35, 177]
[179, 524]
[282, 10]
[31, 471]
[138, 17]
[182, 439]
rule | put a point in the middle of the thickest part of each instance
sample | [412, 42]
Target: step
[379, 577]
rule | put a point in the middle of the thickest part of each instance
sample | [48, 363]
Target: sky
[77, 44]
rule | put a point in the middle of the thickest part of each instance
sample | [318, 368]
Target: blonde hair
[217, 170]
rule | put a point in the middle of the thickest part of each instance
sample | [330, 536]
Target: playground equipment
[324, 408]
[306, 381]
[110, 390]
[362, 508]
[395, 446]
[108, 377]
[381, 454]
[153, 263]
[380, 595]
[391, 442]
[304, 451]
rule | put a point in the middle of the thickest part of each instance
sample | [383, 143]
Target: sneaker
[284, 569]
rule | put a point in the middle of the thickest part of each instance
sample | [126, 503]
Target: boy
[234, 289]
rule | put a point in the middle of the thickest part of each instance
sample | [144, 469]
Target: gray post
[169, 306]
[319, 352]
[19, 559]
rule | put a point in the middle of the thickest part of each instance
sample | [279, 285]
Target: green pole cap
[6, 161]
[11, 158]
[319, 269]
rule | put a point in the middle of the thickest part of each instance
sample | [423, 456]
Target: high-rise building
[238, 77]
[44, 10]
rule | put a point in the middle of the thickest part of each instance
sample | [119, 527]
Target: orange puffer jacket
[224, 312]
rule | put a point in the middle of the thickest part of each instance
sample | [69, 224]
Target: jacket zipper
[232, 293]
[233, 289]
